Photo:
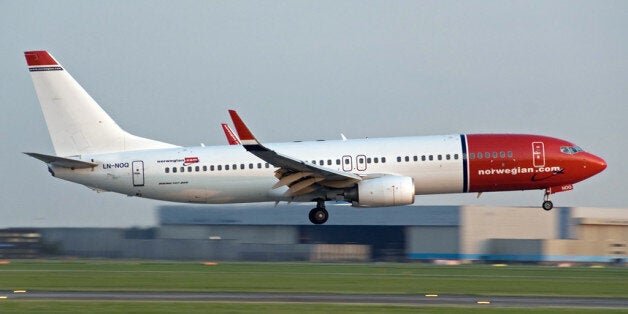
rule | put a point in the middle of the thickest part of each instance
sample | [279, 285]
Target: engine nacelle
[384, 191]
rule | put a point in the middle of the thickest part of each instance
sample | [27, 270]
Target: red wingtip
[40, 57]
[231, 137]
[243, 131]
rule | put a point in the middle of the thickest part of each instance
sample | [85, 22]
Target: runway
[390, 299]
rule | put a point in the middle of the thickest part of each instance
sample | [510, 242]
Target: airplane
[92, 150]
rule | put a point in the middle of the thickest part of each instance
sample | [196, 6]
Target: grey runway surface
[396, 299]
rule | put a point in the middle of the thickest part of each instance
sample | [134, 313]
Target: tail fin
[76, 123]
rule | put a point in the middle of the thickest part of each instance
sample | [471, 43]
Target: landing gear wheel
[548, 205]
[318, 216]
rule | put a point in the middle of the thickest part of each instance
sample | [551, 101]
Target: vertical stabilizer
[76, 123]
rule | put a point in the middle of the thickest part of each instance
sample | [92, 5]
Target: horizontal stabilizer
[63, 162]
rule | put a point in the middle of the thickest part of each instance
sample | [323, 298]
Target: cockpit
[571, 149]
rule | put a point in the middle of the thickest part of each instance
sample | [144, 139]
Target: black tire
[548, 205]
[318, 216]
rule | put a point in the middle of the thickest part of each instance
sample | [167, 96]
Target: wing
[301, 177]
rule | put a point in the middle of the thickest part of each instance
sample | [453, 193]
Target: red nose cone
[596, 164]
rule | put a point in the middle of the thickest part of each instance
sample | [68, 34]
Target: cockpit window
[570, 149]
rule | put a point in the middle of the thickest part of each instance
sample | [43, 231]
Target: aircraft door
[347, 163]
[138, 173]
[360, 162]
[538, 154]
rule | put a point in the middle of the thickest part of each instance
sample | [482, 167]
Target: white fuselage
[230, 174]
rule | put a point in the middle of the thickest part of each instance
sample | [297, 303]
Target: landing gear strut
[319, 215]
[547, 204]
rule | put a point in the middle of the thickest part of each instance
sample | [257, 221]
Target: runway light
[3, 296]
[499, 265]
[5, 262]
[210, 264]
[483, 302]
[431, 295]
[19, 291]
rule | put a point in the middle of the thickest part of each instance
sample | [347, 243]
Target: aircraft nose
[595, 164]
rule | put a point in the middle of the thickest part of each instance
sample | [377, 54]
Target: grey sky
[299, 70]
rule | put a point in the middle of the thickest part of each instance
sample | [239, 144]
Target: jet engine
[383, 191]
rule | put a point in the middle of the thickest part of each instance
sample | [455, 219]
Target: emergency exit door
[538, 154]
[138, 173]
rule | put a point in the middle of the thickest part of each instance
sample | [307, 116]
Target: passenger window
[376, 160]
[235, 167]
[456, 156]
[502, 154]
[219, 167]
[259, 165]
[368, 160]
[487, 155]
[431, 157]
[242, 166]
[174, 169]
[509, 154]
[167, 170]
[494, 154]
[226, 167]
[415, 158]
[250, 166]
[182, 169]
[338, 162]
[407, 158]
[329, 162]
[211, 168]
[204, 168]
[398, 159]
[448, 157]
[383, 159]
[479, 155]
[197, 168]
[267, 165]
[423, 157]
[440, 157]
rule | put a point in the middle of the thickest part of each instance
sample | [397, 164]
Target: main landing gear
[547, 204]
[319, 215]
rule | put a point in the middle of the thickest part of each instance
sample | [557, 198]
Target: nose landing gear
[547, 204]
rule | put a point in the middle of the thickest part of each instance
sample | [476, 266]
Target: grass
[388, 278]
[385, 278]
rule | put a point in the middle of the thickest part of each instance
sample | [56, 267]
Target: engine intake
[384, 191]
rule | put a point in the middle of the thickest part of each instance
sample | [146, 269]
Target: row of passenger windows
[479, 155]
[338, 162]
[259, 165]
[427, 157]
[360, 159]
[487, 155]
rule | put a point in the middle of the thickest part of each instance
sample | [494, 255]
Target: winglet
[246, 137]
[231, 137]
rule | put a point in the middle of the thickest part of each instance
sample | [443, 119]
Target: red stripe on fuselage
[521, 162]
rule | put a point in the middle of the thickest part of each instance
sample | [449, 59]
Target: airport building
[263, 232]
